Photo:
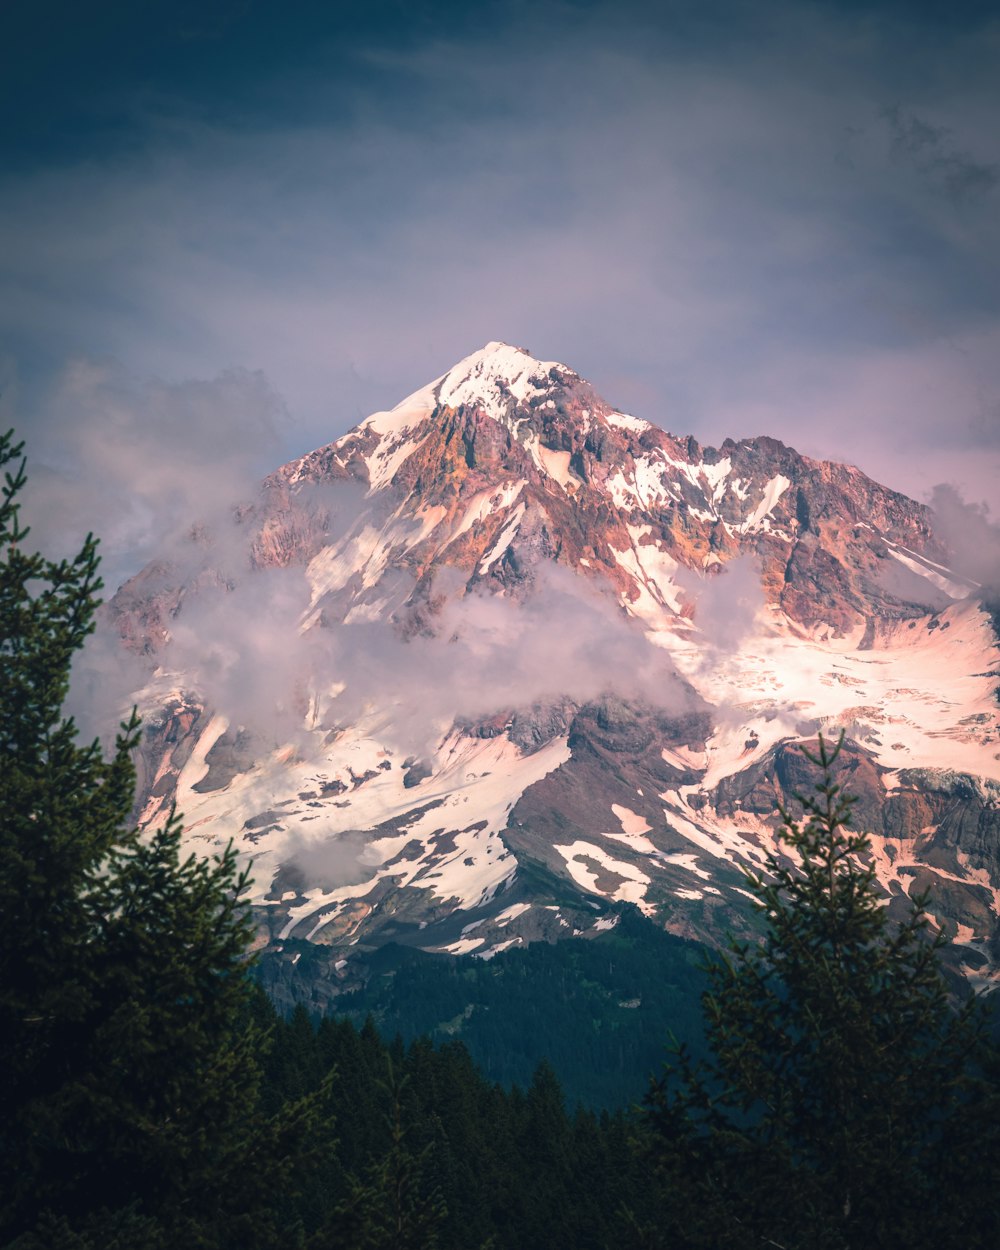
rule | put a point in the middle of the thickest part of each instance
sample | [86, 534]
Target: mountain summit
[534, 658]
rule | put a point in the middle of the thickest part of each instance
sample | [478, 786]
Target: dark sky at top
[230, 230]
[77, 79]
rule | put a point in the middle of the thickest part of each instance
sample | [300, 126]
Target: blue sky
[233, 229]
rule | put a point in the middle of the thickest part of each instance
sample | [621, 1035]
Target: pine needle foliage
[129, 1070]
[396, 1206]
[844, 1105]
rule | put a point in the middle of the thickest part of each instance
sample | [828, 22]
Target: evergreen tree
[129, 1074]
[396, 1207]
[844, 1105]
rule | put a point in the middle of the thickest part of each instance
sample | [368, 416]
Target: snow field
[632, 889]
[785, 686]
[474, 782]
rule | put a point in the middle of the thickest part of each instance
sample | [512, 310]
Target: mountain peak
[557, 653]
[498, 373]
[494, 379]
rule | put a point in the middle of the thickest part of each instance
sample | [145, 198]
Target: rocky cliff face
[541, 658]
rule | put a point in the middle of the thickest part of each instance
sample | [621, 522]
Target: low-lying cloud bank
[259, 645]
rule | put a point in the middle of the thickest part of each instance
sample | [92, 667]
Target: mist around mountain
[504, 659]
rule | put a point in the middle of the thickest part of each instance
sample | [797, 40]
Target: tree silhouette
[844, 1103]
[129, 1074]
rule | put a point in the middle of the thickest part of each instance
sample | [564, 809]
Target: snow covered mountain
[503, 658]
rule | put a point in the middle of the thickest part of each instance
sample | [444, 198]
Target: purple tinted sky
[231, 230]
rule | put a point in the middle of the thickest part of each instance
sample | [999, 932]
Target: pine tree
[396, 1206]
[129, 1074]
[844, 1104]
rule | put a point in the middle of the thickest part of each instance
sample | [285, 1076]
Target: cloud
[911, 587]
[347, 859]
[726, 604]
[234, 645]
[240, 647]
[972, 537]
[135, 462]
[490, 654]
[931, 150]
[255, 646]
[104, 682]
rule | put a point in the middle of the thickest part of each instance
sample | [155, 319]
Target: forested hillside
[432, 1153]
[600, 1011]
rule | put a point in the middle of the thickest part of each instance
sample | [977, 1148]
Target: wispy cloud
[972, 536]
[727, 602]
[137, 462]
[932, 151]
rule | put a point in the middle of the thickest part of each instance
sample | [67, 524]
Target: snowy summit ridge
[499, 381]
[497, 373]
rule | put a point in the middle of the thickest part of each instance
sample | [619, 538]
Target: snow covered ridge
[504, 659]
[499, 371]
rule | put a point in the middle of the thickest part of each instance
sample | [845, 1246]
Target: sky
[231, 229]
